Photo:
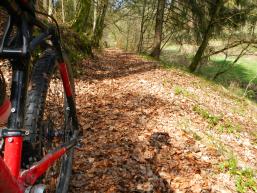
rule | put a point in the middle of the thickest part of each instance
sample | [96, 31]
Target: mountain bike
[37, 145]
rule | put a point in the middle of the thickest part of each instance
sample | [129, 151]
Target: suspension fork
[13, 134]
[66, 79]
[64, 71]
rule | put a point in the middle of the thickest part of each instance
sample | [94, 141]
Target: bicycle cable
[53, 19]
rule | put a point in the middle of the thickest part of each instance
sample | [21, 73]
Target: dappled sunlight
[115, 64]
[236, 77]
[143, 134]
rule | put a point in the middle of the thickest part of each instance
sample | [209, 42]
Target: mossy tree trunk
[83, 16]
[99, 26]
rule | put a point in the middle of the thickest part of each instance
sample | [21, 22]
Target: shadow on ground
[114, 64]
[125, 148]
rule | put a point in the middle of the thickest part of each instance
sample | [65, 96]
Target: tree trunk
[127, 38]
[158, 29]
[200, 21]
[80, 24]
[63, 15]
[141, 39]
[50, 7]
[75, 5]
[98, 33]
[45, 4]
[95, 15]
[198, 56]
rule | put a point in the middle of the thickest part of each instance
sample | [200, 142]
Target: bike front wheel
[49, 121]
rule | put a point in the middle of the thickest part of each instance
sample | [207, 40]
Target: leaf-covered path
[146, 129]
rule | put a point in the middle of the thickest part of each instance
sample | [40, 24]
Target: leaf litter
[141, 135]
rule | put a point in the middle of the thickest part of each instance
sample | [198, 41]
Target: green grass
[212, 119]
[230, 165]
[178, 90]
[243, 71]
[245, 179]
[196, 137]
[172, 48]
[229, 128]
[254, 136]
[236, 78]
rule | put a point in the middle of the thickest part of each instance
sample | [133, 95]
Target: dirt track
[142, 136]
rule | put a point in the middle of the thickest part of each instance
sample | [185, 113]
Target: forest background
[213, 38]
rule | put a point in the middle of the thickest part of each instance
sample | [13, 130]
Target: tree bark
[95, 15]
[141, 38]
[63, 15]
[45, 4]
[208, 33]
[80, 24]
[158, 29]
[98, 33]
[50, 7]
[75, 5]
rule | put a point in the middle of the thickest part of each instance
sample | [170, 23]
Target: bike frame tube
[12, 184]
[11, 180]
[12, 157]
[30, 176]
[14, 140]
[8, 184]
[10, 170]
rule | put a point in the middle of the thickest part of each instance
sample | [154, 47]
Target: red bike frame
[22, 14]
[12, 179]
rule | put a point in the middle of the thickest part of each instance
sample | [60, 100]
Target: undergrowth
[212, 119]
[178, 90]
[228, 127]
[245, 179]
[77, 45]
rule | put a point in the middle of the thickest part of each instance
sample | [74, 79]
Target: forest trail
[149, 129]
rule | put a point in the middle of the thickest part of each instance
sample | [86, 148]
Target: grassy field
[244, 71]
[237, 77]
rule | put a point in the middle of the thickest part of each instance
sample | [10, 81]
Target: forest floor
[149, 129]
